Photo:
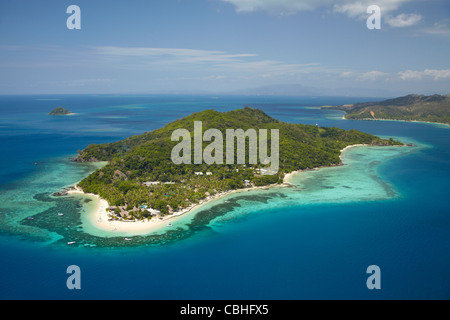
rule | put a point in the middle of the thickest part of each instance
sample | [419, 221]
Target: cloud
[186, 63]
[438, 29]
[214, 77]
[363, 76]
[427, 73]
[353, 9]
[410, 75]
[403, 20]
[346, 74]
[374, 75]
[278, 6]
[358, 9]
[174, 54]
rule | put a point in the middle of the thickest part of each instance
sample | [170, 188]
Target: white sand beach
[98, 216]
[351, 146]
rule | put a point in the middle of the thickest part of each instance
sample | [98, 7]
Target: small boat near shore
[70, 242]
[60, 214]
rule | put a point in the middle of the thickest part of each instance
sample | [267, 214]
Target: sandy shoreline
[352, 146]
[98, 217]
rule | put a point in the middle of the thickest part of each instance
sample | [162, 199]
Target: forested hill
[413, 107]
[147, 158]
[59, 111]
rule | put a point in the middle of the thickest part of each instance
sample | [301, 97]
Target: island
[413, 107]
[140, 180]
[60, 111]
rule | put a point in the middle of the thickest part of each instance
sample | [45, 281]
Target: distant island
[413, 107]
[141, 180]
[60, 111]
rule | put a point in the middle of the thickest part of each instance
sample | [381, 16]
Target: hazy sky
[166, 46]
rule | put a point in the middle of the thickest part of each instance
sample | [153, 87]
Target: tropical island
[140, 180]
[60, 111]
[413, 107]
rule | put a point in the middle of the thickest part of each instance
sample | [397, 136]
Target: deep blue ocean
[317, 250]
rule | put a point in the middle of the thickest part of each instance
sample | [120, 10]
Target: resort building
[150, 183]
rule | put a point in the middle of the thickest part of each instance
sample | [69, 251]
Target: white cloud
[437, 74]
[358, 9]
[374, 75]
[438, 29]
[427, 73]
[403, 20]
[278, 6]
[352, 8]
[410, 75]
[187, 60]
[180, 55]
[214, 77]
[346, 73]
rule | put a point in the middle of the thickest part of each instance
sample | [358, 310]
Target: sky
[224, 46]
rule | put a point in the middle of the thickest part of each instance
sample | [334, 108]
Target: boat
[30, 218]
[71, 242]
[60, 214]
[169, 224]
[127, 239]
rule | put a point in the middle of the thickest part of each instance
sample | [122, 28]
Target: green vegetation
[147, 158]
[435, 108]
[59, 111]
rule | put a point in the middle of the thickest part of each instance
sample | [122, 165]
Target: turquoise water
[313, 240]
